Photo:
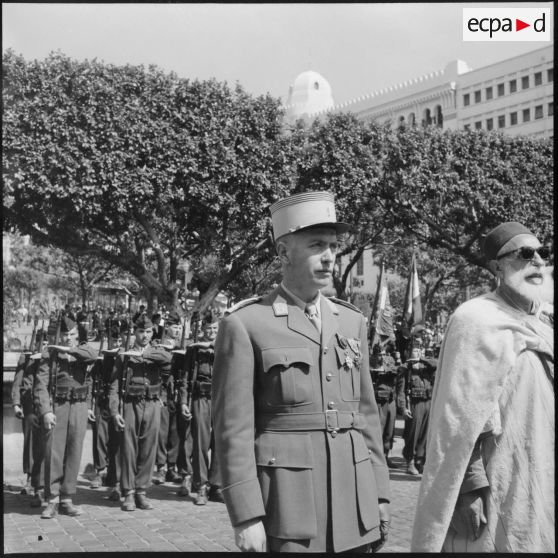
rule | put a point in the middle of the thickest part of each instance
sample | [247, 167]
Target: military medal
[355, 345]
[348, 361]
[342, 341]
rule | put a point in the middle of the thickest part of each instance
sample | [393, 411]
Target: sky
[358, 48]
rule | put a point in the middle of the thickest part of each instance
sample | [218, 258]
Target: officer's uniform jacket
[296, 425]
[71, 370]
[415, 381]
[22, 386]
[143, 371]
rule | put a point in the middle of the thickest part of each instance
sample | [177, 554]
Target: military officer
[414, 392]
[168, 439]
[297, 430]
[136, 410]
[384, 375]
[105, 437]
[199, 364]
[61, 392]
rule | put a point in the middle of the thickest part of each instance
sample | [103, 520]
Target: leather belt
[326, 420]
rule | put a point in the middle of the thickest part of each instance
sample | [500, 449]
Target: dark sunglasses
[527, 254]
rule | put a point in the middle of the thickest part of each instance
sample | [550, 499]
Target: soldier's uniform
[106, 440]
[200, 357]
[168, 440]
[33, 447]
[384, 377]
[64, 442]
[297, 430]
[138, 373]
[414, 392]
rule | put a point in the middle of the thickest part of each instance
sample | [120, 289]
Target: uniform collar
[300, 303]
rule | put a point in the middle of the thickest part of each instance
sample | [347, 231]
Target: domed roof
[310, 93]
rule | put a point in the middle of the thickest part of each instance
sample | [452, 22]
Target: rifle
[195, 373]
[52, 377]
[33, 335]
[40, 336]
[125, 382]
[96, 372]
[109, 336]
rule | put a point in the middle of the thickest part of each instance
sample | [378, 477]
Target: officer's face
[308, 259]
[143, 336]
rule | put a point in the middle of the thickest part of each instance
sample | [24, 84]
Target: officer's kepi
[304, 211]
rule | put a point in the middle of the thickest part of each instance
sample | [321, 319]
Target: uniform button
[271, 461]
[331, 404]
[333, 433]
[329, 375]
[325, 350]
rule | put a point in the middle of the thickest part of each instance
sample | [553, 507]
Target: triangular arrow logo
[519, 25]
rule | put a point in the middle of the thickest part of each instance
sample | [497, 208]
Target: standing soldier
[168, 439]
[414, 392]
[136, 410]
[297, 431]
[384, 374]
[60, 393]
[22, 401]
[199, 365]
[105, 438]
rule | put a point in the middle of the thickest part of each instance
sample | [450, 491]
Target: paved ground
[175, 524]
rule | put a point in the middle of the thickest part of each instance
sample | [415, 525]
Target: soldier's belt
[327, 420]
[143, 392]
[202, 388]
[68, 393]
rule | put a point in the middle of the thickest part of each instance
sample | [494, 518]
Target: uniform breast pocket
[287, 379]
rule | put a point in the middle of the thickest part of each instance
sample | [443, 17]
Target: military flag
[382, 313]
[412, 309]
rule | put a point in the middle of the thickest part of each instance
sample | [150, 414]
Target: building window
[466, 100]
[525, 82]
[477, 96]
[501, 90]
[550, 109]
[316, 85]
[538, 112]
[467, 127]
[489, 123]
[513, 118]
[478, 125]
[513, 86]
[538, 78]
[526, 115]
[550, 74]
[502, 121]
[360, 265]
[411, 119]
[488, 93]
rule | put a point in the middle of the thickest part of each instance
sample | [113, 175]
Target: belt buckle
[332, 424]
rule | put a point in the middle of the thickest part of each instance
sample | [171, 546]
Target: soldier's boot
[67, 508]
[186, 486]
[201, 499]
[51, 510]
[143, 502]
[159, 476]
[129, 503]
[114, 495]
[215, 494]
[419, 464]
[411, 469]
[173, 476]
[27, 489]
[36, 501]
[389, 462]
[96, 481]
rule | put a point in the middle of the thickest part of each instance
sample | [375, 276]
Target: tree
[140, 168]
[449, 188]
